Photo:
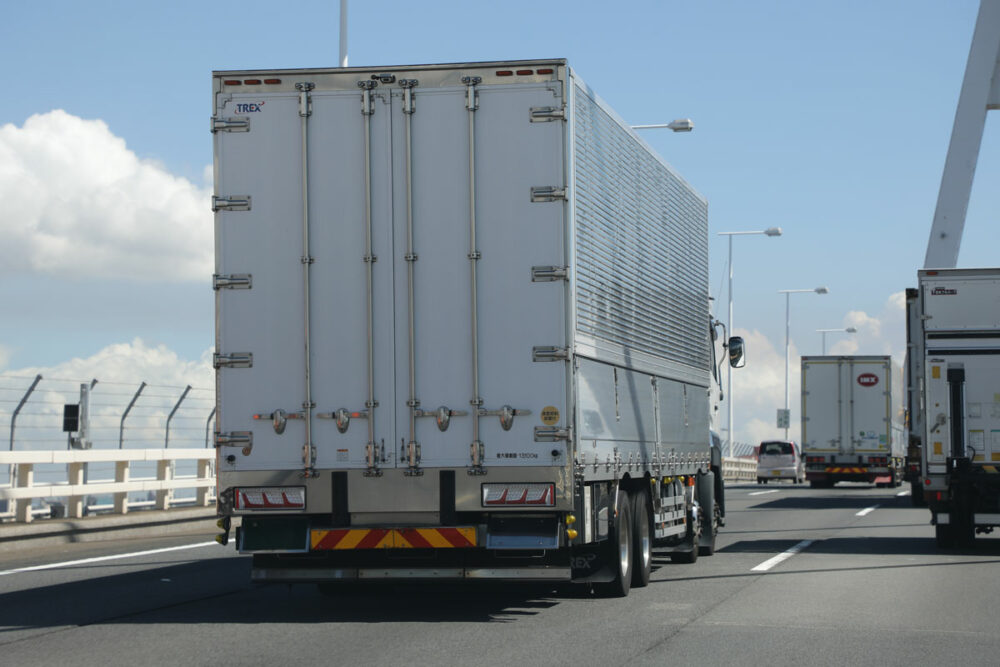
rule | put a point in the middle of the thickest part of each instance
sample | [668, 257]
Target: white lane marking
[867, 510]
[783, 556]
[760, 493]
[98, 559]
[903, 493]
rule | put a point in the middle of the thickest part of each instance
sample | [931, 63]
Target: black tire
[815, 484]
[619, 550]
[760, 480]
[917, 494]
[706, 500]
[642, 540]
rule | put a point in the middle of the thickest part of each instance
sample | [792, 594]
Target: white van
[780, 459]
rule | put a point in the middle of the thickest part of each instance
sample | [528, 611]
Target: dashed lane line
[760, 493]
[903, 493]
[98, 559]
[782, 557]
[867, 510]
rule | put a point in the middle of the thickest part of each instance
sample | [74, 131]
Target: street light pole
[824, 332]
[770, 231]
[788, 325]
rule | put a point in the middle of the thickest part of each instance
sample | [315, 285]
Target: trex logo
[868, 379]
[943, 291]
[249, 107]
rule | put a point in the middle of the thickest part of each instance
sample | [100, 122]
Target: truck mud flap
[589, 565]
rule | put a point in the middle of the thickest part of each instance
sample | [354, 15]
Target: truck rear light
[270, 498]
[505, 72]
[272, 81]
[523, 72]
[495, 495]
[233, 82]
[252, 82]
[546, 70]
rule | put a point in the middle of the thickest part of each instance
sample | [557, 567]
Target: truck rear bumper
[314, 575]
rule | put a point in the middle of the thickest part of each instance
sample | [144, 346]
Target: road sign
[783, 417]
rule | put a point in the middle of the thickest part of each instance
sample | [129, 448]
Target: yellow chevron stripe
[990, 469]
[435, 538]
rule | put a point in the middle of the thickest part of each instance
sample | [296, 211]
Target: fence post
[204, 472]
[208, 423]
[12, 470]
[121, 429]
[121, 497]
[75, 503]
[164, 473]
[25, 479]
[166, 441]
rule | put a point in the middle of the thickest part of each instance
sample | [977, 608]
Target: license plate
[775, 472]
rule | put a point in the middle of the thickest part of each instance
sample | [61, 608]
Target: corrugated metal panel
[641, 244]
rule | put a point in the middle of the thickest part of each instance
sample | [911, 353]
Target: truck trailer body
[958, 329]
[462, 329]
[852, 420]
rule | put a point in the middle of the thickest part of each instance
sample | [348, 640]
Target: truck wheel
[619, 552]
[814, 484]
[706, 500]
[642, 540]
[917, 494]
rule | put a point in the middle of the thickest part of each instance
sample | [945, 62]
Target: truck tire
[642, 540]
[706, 499]
[619, 551]
[917, 494]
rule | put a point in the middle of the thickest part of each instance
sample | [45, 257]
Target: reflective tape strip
[847, 470]
[398, 538]
[990, 469]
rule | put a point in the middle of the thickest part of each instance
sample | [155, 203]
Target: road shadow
[830, 502]
[219, 591]
[875, 546]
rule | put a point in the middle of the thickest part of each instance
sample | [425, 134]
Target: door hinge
[551, 433]
[408, 85]
[544, 193]
[242, 439]
[549, 353]
[231, 203]
[367, 101]
[235, 360]
[545, 274]
[547, 114]
[239, 124]
[232, 281]
[305, 99]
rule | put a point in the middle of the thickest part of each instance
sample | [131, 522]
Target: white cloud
[79, 203]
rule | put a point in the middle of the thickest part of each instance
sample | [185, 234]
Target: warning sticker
[342, 454]
[550, 415]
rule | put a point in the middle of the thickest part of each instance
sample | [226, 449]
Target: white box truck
[852, 420]
[958, 331]
[462, 329]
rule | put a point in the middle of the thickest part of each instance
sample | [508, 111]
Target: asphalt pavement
[848, 575]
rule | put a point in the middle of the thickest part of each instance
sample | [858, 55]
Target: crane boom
[980, 92]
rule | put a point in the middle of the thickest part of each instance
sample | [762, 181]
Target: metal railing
[23, 492]
[739, 469]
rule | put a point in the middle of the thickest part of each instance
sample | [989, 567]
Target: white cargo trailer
[852, 420]
[462, 329]
[958, 330]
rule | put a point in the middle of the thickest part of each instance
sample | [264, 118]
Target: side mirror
[737, 350]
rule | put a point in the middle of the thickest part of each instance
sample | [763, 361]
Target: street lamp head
[821, 290]
[681, 125]
[851, 330]
[773, 231]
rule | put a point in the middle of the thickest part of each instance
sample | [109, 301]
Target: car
[780, 459]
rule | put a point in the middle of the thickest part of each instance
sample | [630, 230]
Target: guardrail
[739, 469]
[23, 490]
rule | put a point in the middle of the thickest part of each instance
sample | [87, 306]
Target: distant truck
[957, 327]
[852, 420]
[462, 330]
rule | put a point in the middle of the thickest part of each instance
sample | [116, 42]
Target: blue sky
[828, 119]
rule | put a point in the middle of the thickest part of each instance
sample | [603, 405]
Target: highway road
[839, 576]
